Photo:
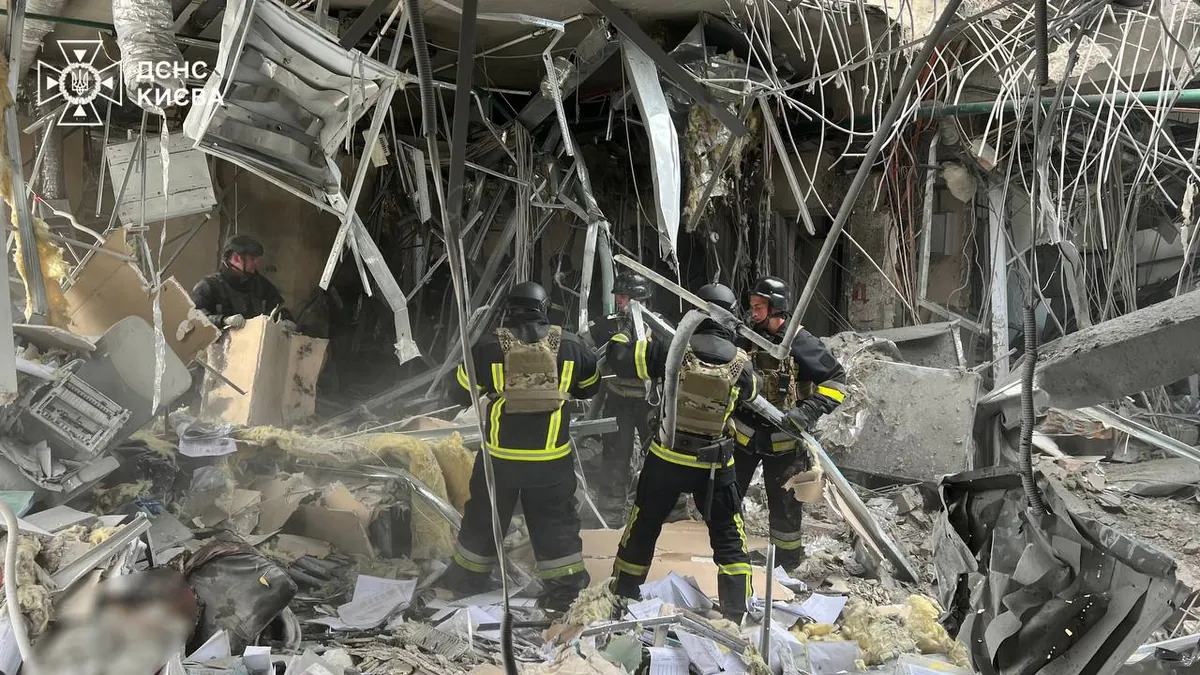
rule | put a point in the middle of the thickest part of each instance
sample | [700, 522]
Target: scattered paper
[668, 661]
[832, 658]
[823, 608]
[646, 609]
[309, 663]
[787, 581]
[784, 614]
[10, 654]
[702, 652]
[465, 622]
[257, 660]
[679, 591]
[217, 647]
[58, 518]
[197, 440]
[374, 600]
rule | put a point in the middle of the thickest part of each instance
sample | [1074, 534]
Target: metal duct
[36, 31]
[53, 172]
[145, 36]
[204, 15]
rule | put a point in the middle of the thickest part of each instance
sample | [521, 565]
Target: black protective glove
[804, 415]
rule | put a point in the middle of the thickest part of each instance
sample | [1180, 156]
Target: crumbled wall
[870, 299]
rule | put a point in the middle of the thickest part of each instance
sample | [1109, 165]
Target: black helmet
[719, 295]
[242, 244]
[632, 284]
[775, 291]
[528, 295]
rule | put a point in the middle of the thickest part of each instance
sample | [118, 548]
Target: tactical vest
[531, 382]
[781, 384]
[706, 394]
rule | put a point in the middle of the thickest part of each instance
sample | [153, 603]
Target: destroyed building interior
[984, 210]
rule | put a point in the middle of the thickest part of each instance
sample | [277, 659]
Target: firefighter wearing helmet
[807, 384]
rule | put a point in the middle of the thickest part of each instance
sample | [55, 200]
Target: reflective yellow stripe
[753, 387]
[494, 423]
[564, 380]
[530, 455]
[682, 459]
[619, 337]
[587, 382]
[553, 428]
[741, 528]
[633, 514]
[498, 377]
[831, 393]
[735, 568]
[780, 442]
[470, 565]
[787, 545]
[639, 360]
[629, 568]
[463, 381]
[742, 439]
[566, 570]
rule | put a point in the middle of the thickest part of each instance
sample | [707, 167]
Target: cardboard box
[278, 371]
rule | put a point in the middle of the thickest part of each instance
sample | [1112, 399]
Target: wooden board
[189, 182]
[306, 356]
[110, 289]
[682, 548]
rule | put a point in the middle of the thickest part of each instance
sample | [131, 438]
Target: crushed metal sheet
[1057, 596]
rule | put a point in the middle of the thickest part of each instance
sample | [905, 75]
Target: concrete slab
[931, 345]
[913, 423]
[1141, 350]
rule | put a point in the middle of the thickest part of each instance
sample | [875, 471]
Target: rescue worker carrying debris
[529, 369]
[626, 398]
[807, 385]
[237, 291]
[714, 377]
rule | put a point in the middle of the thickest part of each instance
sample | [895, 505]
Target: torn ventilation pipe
[35, 31]
[52, 175]
[146, 38]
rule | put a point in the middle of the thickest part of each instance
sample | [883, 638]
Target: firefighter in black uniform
[625, 398]
[806, 386]
[714, 377]
[237, 291]
[528, 369]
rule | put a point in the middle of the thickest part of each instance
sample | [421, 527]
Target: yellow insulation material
[880, 637]
[921, 616]
[883, 636]
[444, 467]
[33, 597]
[54, 268]
[456, 462]
[153, 442]
[595, 603]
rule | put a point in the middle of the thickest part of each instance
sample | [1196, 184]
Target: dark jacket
[647, 360]
[814, 363]
[543, 439]
[230, 292]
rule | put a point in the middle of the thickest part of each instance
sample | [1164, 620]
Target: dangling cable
[452, 224]
[1040, 76]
